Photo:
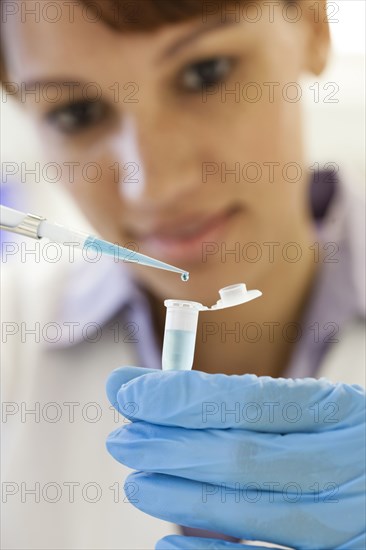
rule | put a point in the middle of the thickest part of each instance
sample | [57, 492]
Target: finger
[178, 542]
[270, 461]
[117, 378]
[281, 519]
[193, 399]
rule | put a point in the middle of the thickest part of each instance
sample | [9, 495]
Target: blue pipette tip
[185, 277]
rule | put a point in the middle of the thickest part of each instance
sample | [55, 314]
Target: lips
[184, 241]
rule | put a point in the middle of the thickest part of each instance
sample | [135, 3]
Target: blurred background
[334, 124]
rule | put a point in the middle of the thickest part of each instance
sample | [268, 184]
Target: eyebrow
[34, 87]
[173, 49]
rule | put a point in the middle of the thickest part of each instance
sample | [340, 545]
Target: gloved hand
[276, 460]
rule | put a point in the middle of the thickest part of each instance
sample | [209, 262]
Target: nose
[158, 162]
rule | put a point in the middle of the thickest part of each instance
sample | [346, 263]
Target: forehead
[67, 39]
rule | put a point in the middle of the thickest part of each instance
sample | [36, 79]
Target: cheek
[99, 202]
[91, 180]
[258, 145]
[259, 156]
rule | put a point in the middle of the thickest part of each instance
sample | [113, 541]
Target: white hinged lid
[230, 296]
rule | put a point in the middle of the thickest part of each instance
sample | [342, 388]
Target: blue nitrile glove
[275, 460]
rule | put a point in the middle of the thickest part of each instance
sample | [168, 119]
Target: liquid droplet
[185, 277]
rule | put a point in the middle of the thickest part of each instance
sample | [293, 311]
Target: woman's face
[193, 132]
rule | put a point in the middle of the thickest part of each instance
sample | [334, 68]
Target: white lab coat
[59, 450]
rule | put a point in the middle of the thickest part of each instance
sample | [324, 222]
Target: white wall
[336, 131]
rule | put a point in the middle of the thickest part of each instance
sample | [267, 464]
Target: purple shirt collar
[95, 295]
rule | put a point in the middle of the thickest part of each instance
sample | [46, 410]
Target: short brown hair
[148, 15]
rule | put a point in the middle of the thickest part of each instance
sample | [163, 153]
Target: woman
[189, 114]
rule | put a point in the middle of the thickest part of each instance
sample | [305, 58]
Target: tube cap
[235, 295]
[230, 296]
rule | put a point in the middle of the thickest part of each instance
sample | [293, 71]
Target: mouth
[184, 241]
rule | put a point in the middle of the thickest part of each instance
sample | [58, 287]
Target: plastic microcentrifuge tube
[181, 324]
[180, 334]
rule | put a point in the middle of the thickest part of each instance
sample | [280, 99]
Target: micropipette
[38, 227]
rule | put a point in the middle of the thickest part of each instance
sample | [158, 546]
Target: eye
[202, 73]
[77, 116]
